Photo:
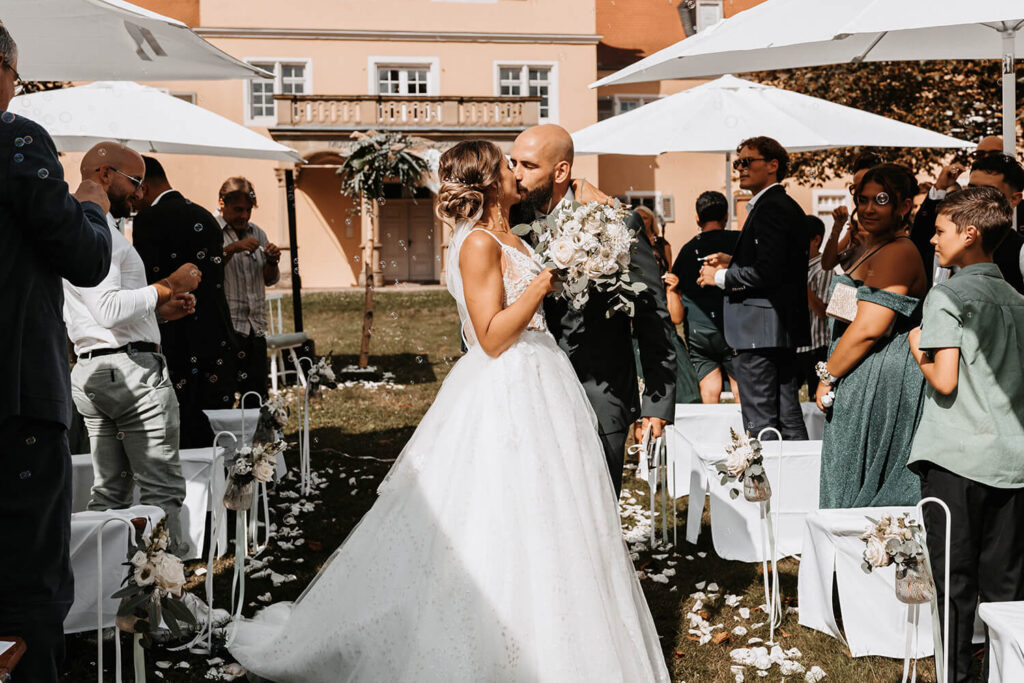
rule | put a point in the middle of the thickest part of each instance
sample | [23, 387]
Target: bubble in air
[7, 117]
[198, 227]
[43, 173]
[28, 139]
[27, 474]
[19, 157]
[120, 436]
[19, 142]
[200, 255]
[30, 440]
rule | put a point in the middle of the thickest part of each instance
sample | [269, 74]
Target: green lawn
[357, 432]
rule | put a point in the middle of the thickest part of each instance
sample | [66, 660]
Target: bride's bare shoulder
[480, 248]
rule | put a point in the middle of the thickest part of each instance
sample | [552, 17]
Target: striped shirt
[818, 281]
[244, 287]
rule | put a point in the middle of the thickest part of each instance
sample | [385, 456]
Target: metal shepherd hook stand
[305, 472]
[138, 655]
[913, 611]
[772, 593]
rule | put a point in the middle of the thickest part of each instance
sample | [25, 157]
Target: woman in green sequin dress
[879, 389]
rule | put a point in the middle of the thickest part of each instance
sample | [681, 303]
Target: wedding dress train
[494, 551]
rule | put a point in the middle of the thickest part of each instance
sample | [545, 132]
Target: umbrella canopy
[714, 117]
[143, 118]
[86, 40]
[782, 34]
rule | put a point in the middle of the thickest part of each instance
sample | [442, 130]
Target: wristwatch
[821, 369]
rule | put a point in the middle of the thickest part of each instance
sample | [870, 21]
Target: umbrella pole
[293, 246]
[1009, 93]
[728, 188]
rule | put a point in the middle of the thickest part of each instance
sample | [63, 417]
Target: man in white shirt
[120, 383]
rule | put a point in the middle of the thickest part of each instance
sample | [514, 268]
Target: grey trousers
[131, 413]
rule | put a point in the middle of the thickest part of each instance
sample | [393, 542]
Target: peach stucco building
[443, 70]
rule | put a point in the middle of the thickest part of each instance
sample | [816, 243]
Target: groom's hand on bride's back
[586, 193]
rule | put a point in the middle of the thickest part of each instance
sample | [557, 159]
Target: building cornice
[404, 36]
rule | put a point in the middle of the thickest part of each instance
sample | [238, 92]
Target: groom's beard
[538, 200]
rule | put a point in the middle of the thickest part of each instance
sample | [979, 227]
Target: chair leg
[299, 375]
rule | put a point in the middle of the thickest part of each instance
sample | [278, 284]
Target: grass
[358, 431]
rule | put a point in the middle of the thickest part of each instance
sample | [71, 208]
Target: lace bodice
[517, 271]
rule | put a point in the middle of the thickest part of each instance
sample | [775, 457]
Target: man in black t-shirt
[703, 323]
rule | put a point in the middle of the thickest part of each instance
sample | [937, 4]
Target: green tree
[958, 98]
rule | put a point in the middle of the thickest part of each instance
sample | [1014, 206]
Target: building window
[708, 13]
[624, 103]
[403, 76]
[530, 80]
[663, 205]
[825, 201]
[290, 78]
[393, 80]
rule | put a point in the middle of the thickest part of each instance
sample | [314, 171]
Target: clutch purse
[843, 304]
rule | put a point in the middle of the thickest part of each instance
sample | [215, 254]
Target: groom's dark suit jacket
[601, 348]
[766, 282]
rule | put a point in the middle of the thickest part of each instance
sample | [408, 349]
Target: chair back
[274, 323]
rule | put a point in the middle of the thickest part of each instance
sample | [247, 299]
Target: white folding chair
[279, 343]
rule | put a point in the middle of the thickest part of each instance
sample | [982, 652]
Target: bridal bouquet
[745, 463]
[895, 541]
[588, 244]
[155, 579]
[251, 465]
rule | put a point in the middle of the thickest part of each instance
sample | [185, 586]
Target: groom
[601, 348]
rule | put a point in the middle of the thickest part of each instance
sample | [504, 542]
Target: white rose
[737, 461]
[263, 471]
[139, 559]
[169, 572]
[561, 252]
[572, 227]
[875, 554]
[144, 574]
[610, 267]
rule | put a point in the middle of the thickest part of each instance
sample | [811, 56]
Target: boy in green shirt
[969, 447]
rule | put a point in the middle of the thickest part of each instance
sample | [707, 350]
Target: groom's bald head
[542, 158]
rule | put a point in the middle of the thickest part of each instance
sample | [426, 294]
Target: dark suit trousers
[36, 584]
[614, 445]
[769, 383]
[986, 552]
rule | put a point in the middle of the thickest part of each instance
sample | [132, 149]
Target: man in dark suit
[201, 349]
[765, 283]
[991, 168]
[600, 347]
[48, 235]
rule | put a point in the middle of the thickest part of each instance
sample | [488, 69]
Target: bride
[493, 552]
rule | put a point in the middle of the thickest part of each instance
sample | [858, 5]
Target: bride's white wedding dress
[494, 552]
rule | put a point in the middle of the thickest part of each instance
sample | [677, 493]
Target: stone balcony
[299, 115]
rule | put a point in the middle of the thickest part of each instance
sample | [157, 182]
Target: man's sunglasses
[137, 182]
[745, 162]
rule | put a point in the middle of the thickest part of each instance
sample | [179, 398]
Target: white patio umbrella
[782, 34]
[143, 118]
[716, 116]
[87, 40]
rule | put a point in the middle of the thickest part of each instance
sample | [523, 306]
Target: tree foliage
[958, 98]
[377, 159]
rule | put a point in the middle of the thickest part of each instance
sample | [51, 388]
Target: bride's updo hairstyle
[468, 172]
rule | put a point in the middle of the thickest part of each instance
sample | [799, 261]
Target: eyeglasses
[137, 182]
[880, 199]
[19, 84]
[745, 162]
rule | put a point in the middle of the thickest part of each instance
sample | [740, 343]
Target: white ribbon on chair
[653, 468]
[256, 548]
[219, 517]
[99, 611]
[772, 594]
[913, 611]
[305, 471]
